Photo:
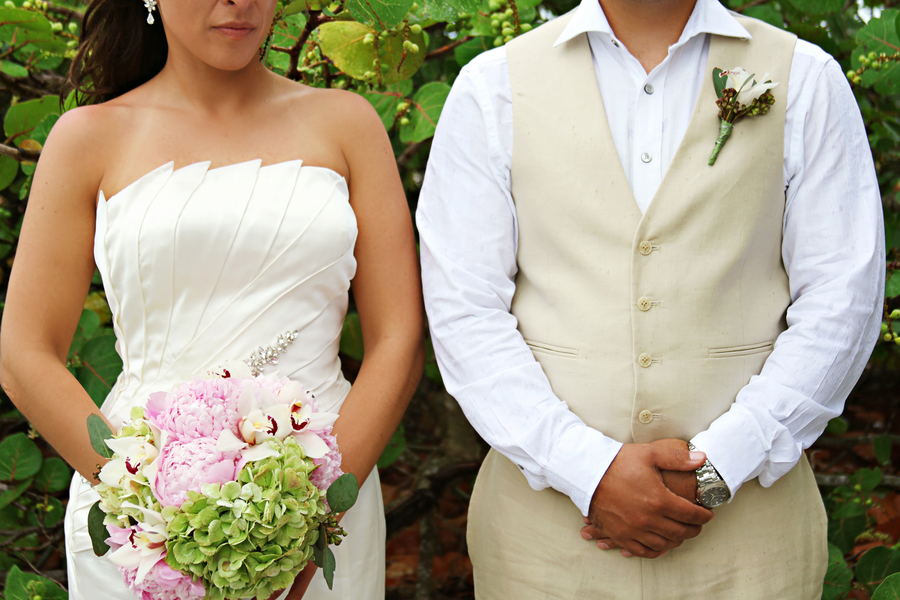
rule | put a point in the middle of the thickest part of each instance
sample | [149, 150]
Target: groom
[599, 297]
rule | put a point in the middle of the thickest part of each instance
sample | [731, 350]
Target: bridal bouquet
[222, 488]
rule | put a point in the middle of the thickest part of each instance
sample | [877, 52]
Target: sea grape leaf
[868, 479]
[13, 69]
[467, 51]
[395, 447]
[351, 337]
[54, 476]
[889, 590]
[100, 366]
[876, 565]
[892, 286]
[423, 118]
[386, 100]
[48, 516]
[12, 492]
[99, 432]
[843, 532]
[838, 577]
[19, 458]
[342, 494]
[880, 35]
[343, 43]
[818, 7]
[22, 118]
[97, 529]
[9, 168]
[380, 15]
[27, 586]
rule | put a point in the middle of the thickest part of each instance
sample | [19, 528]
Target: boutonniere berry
[738, 95]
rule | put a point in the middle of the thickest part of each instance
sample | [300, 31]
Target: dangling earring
[151, 6]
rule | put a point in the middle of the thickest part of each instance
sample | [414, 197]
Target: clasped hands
[645, 504]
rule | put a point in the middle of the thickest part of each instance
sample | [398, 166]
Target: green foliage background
[402, 56]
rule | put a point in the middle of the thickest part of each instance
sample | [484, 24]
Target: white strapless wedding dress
[204, 265]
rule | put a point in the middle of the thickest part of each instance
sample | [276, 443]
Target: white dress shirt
[833, 252]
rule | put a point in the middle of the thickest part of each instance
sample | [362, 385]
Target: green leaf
[767, 13]
[9, 168]
[838, 577]
[99, 431]
[328, 567]
[882, 447]
[22, 118]
[889, 590]
[818, 7]
[343, 43]
[843, 532]
[837, 426]
[341, 494]
[54, 476]
[719, 82]
[43, 128]
[297, 6]
[469, 7]
[25, 586]
[423, 118]
[13, 69]
[379, 14]
[13, 492]
[19, 458]
[48, 516]
[101, 366]
[876, 565]
[880, 35]
[868, 479]
[97, 529]
[439, 10]
[469, 50]
[892, 286]
[386, 101]
[395, 447]
[351, 337]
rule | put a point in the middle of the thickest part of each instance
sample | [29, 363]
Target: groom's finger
[669, 458]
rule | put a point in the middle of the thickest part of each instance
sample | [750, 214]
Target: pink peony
[197, 408]
[328, 467]
[185, 466]
[162, 582]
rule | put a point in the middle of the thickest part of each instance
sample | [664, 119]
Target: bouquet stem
[725, 129]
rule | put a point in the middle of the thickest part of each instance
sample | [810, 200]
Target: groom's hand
[633, 507]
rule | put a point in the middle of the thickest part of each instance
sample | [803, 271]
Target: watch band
[712, 490]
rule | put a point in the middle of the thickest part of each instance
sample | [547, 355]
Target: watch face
[714, 495]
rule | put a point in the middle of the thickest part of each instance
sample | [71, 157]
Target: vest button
[645, 416]
[644, 360]
[645, 248]
[644, 304]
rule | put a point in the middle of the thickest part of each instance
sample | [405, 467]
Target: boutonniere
[738, 95]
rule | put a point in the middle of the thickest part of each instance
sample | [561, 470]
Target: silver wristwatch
[712, 491]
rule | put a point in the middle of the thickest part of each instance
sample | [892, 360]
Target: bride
[222, 205]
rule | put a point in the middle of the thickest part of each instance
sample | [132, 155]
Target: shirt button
[644, 304]
[645, 416]
[644, 360]
[648, 88]
[646, 157]
[645, 248]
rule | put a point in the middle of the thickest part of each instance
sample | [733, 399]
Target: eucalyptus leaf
[719, 82]
[342, 493]
[99, 432]
[19, 458]
[97, 529]
[328, 567]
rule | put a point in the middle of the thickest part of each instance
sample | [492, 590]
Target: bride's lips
[235, 30]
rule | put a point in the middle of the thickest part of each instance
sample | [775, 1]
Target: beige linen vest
[647, 326]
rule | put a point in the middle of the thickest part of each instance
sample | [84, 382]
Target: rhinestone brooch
[269, 355]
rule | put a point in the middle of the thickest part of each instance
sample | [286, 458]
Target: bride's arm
[49, 282]
[386, 289]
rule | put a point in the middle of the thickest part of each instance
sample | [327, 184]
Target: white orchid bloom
[229, 368]
[748, 88]
[133, 454]
[146, 544]
[304, 421]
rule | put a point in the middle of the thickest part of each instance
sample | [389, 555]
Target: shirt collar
[708, 17]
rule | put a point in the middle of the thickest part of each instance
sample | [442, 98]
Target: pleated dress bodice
[206, 265]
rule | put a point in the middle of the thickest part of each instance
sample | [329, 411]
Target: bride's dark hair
[118, 50]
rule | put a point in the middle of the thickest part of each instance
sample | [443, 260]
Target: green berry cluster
[873, 61]
[380, 42]
[505, 23]
[887, 330]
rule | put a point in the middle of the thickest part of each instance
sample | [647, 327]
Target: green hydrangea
[252, 536]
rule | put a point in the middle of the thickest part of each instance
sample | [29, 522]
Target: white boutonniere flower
[739, 94]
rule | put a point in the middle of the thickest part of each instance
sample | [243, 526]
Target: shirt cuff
[734, 445]
[578, 462]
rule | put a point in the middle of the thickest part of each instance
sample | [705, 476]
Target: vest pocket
[744, 350]
[559, 351]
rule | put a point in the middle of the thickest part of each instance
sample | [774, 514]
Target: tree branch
[19, 154]
[448, 47]
[822, 480]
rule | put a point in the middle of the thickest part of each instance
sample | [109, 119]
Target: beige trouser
[769, 544]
